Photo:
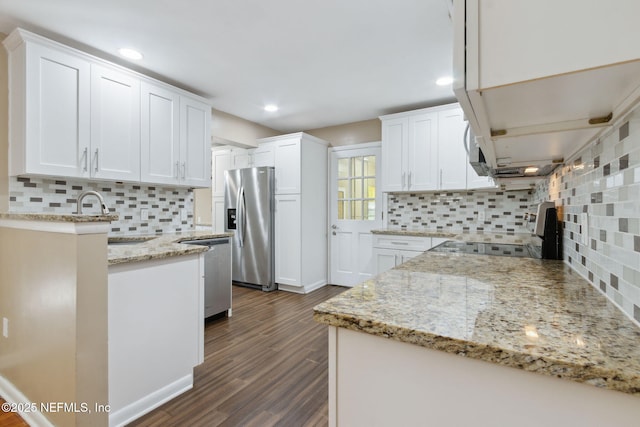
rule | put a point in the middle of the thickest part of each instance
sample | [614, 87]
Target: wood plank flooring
[10, 419]
[264, 366]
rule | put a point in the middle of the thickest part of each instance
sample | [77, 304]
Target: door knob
[335, 227]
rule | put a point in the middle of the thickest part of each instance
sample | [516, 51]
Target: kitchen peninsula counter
[533, 315]
[143, 248]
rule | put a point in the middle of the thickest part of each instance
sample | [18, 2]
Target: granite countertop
[536, 315]
[157, 247]
[55, 217]
[514, 238]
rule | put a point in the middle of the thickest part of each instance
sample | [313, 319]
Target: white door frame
[332, 207]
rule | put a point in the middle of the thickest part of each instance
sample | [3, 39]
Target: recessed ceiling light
[531, 169]
[130, 53]
[444, 81]
[271, 108]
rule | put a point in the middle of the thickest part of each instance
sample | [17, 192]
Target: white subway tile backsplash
[36, 194]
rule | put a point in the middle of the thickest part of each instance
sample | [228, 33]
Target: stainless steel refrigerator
[249, 214]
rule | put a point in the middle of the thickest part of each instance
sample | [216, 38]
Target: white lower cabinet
[288, 240]
[152, 354]
[390, 251]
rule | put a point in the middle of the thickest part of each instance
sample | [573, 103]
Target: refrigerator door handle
[240, 216]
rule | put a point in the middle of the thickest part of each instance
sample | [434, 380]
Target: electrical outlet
[5, 327]
[481, 215]
[144, 214]
[183, 215]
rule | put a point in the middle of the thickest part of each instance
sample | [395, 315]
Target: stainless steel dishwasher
[217, 275]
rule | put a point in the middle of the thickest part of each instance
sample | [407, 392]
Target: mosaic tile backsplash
[599, 193]
[504, 211]
[164, 204]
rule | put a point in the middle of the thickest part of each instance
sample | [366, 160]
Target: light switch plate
[144, 214]
[5, 327]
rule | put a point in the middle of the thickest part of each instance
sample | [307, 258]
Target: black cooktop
[478, 248]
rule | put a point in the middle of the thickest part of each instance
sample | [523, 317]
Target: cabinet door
[218, 214]
[195, 142]
[452, 157]
[221, 162]
[405, 256]
[160, 136]
[288, 240]
[287, 164]
[240, 158]
[57, 123]
[115, 124]
[384, 259]
[395, 138]
[264, 156]
[422, 159]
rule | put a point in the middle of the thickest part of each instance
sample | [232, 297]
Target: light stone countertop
[55, 217]
[514, 238]
[536, 315]
[158, 247]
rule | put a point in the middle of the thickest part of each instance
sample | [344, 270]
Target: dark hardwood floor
[264, 366]
[10, 419]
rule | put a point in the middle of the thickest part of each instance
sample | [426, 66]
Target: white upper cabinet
[423, 150]
[50, 103]
[75, 115]
[160, 146]
[540, 79]
[195, 142]
[115, 124]
[452, 156]
[409, 152]
[287, 164]
[264, 155]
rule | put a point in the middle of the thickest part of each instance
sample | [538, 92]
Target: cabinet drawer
[409, 243]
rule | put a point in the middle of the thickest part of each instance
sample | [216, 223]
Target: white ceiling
[324, 63]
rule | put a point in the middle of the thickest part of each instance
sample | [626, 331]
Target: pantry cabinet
[75, 115]
[300, 211]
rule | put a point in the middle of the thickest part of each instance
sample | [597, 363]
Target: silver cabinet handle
[95, 164]
[177, 170]
[440, 178]
[400, 243]
[403, 179]
[184, 170]
[85, 156]
[409, 184]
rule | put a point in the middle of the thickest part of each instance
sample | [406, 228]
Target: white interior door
[355, 210]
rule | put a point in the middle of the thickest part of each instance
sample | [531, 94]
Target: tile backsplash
[164, 204]
[504, 211]
[599, 192]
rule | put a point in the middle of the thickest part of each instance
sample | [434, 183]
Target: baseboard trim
[11, 394]
[302, 289]
[150, 402]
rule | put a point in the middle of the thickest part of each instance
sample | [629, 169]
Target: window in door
[357, 188]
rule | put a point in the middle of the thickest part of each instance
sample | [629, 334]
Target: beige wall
[53, 290]
[227, 128]
[350, 133]
[203, 206]
[4, 130]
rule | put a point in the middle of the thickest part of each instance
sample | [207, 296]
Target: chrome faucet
[105, 209]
